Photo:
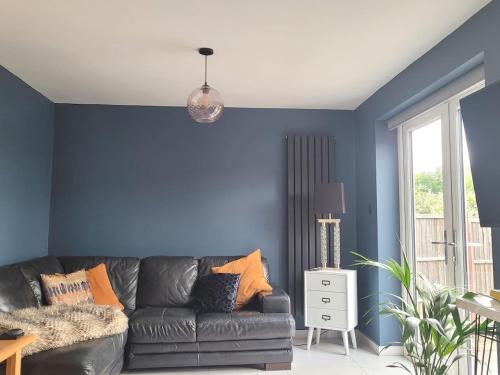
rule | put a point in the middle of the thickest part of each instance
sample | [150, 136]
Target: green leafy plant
[434, 335]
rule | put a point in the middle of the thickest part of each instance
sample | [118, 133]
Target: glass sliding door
[439, 220]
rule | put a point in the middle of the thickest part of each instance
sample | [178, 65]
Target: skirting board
[362, 340]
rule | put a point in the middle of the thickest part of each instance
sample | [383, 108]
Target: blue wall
[147, 180]
[26, 132]
[376, 162]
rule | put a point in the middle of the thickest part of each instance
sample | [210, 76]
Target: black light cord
[299, 345]
[206, 70]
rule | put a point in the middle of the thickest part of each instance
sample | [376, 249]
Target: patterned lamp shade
[205, 105]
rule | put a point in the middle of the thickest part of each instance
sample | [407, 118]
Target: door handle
[453, 244]
[444, 243]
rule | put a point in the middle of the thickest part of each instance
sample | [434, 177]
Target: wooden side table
[331, 303]
[10, 351]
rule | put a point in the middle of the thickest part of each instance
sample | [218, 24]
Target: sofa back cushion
[123, 273]
[15, 292]
[32, 269]
[206, 264]
[166, 281]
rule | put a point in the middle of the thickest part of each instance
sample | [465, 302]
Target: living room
[246, 187]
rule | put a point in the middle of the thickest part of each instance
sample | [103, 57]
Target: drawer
[327, 319]
[326, 282]
[326, 300]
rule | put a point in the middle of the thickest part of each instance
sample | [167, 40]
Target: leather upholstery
[15, 293]
[173, 278]
[162, 325]
[211, 346]
[276, 302]
[102, 356]
[161, 360]
[206, 264]
[243, 325]
[123, 273]
[249, 357]
[32, 270]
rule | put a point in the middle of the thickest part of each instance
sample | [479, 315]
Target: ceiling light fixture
[205, 104]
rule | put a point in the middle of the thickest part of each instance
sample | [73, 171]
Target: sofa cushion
[217, 292]
[123, 273]
[101, 287]
[207, 263]
[70, 289]
[32, 270]
[15, 292]
[252, 281]
[162, 325]
[166, 281]
[102, 356]
[244, 325]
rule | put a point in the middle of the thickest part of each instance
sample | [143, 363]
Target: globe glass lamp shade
[205, 105]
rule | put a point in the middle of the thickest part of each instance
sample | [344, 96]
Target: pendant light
[205, 103]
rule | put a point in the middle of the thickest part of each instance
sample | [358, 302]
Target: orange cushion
[101, 287]
[252, 279]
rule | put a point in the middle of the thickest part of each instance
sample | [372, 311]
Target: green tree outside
[429, 193]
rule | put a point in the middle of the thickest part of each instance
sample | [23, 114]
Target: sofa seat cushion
[162, 325]
[244, 325]
[102, 356]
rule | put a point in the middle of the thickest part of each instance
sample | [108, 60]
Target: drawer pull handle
[325, 300]
[326, 317]
[325, 282]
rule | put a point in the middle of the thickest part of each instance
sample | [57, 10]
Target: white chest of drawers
[331, 302]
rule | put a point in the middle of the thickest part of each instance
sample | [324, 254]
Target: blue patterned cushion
[217, 292]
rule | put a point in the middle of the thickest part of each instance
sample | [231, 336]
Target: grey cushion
[166, 281]
[244, 325]
[15, 292]
[162, 325]
[32, 270]
[123, 273]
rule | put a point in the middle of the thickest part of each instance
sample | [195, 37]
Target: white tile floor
[326, 358]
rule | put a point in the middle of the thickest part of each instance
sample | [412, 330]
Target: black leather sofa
[164, 331]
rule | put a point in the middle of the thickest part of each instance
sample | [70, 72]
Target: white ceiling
[268, 53]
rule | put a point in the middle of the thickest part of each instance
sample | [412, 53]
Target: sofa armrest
[277, 301]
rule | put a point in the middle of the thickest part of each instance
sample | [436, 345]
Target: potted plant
[433, 334]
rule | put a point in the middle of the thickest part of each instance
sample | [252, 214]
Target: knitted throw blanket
[62, 325]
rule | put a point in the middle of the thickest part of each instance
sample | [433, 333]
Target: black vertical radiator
[311, 160]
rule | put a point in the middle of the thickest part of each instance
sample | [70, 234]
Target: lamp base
[324, 269]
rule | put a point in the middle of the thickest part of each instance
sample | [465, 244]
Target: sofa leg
[278, 366]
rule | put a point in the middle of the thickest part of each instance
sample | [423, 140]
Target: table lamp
[329, 200]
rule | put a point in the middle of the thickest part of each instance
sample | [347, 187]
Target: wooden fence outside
[431, 258]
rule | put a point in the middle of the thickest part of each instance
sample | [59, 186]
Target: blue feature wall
[26, 133]
[475, 42]
[146, 181]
